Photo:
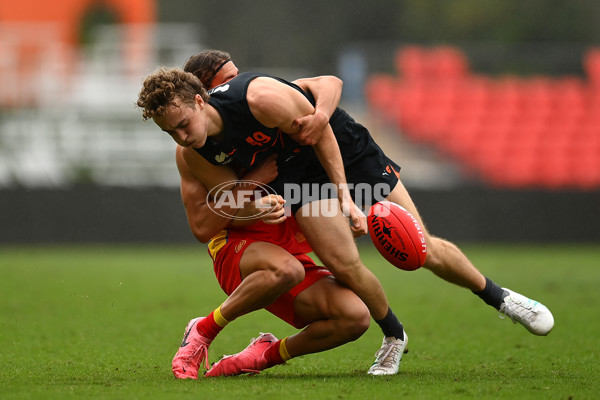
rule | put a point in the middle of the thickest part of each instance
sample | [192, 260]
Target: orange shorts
[226, 250]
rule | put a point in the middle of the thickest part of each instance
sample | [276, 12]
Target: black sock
[391, 326]
[493, 294]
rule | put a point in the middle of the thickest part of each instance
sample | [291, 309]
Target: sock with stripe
[277, 353]
[212, 324]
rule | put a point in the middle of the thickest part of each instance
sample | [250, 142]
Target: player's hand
[358, 220]
[265, 172]
[308, 130]
[362, 227]
[274, 204]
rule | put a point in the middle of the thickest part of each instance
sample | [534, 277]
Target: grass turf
[104, 322]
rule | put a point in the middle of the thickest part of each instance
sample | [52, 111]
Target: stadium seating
[508, 131]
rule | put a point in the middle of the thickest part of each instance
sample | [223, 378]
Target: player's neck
[214, 123]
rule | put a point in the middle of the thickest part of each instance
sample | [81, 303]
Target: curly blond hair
[164, 86]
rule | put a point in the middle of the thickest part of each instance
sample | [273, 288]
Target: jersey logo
[222, 88]
[223, 158]
[240, 245]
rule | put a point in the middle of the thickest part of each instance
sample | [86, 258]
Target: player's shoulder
[266, 88]
[234, 89]
[179, 158]
[240, 80]
[260, 92]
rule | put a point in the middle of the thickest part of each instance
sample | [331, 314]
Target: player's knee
[288, 272]
[362, 319]
[357, 326]
[351, 275]
[344, 267]
[437, 250]
[355, 319]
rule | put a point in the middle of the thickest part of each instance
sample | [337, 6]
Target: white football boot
[388, 357]
[534, 316]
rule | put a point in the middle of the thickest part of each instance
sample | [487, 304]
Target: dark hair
[206, 64]
[164, 86]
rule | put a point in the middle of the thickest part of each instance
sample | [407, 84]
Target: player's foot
[388, 357]
[250, 360]
[534, 316]
[193, 349]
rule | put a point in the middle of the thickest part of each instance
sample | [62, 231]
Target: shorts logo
[240, 245]
[389, 169]
[300, 237]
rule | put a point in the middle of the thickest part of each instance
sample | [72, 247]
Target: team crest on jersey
[240, 245]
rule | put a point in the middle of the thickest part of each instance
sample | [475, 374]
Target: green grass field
[104, 322]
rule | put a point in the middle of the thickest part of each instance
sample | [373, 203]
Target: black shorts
[370, 174]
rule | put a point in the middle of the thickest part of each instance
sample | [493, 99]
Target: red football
[397, 235]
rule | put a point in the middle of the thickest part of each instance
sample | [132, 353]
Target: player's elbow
[338, 81]
[334, 81]
[202, 238]
[201, 234]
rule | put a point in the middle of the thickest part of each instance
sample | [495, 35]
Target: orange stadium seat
[412, 64]
[380, 92]
[448, 63]
[591, 64]
[511, 131]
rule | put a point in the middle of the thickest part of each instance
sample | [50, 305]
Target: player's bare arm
[197, 177]
[264, 173]
[277, 105]
[327, 91]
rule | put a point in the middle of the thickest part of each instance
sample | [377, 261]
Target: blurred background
[492, 108]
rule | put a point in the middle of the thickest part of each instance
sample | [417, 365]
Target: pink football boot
[193, 350]
[250, 360]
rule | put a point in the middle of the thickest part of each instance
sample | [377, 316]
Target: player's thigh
[268, 256]
[328, 232]
[328, 299]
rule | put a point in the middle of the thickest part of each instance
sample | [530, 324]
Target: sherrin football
[397, 235]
